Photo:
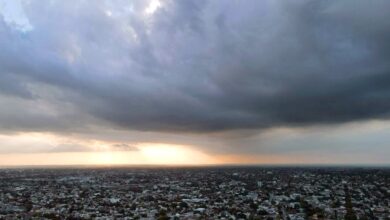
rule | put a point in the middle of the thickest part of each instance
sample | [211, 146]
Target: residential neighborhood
[195, 193]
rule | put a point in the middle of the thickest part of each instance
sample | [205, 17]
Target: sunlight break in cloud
[153, 6]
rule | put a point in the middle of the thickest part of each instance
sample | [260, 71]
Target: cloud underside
[194, 66]
[85, 148]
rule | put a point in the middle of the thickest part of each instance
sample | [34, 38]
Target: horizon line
[320, 165]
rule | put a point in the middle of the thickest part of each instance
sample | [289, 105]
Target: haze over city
[194, 82]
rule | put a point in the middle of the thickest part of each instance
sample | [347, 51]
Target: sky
[194, 82]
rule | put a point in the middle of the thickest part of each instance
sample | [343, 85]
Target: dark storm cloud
[196, 66]
[124, 147]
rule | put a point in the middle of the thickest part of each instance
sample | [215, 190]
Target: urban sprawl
[195, 193]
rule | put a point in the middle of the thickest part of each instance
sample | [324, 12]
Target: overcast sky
[301, 81]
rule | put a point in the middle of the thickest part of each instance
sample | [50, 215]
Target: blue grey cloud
[195, 66]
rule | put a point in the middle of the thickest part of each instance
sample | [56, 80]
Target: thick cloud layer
[194, 66]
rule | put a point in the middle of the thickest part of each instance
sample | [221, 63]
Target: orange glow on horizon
[259, 159]
[173, 154]
[148, 154]
[40, 149]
